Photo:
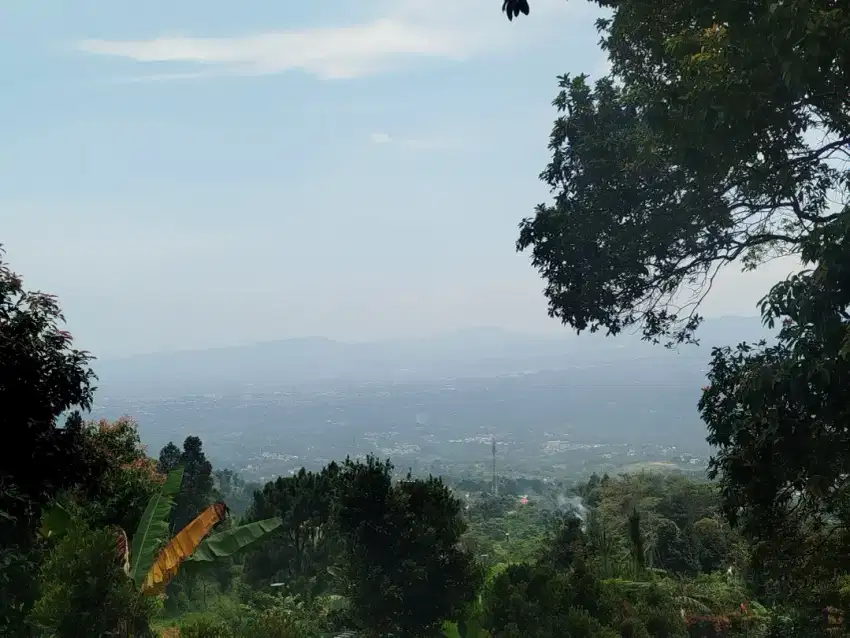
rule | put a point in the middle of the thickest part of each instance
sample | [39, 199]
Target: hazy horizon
[564, 332]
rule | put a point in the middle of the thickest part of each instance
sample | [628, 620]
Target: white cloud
[408, 28]
[380, 138]
[415, 143]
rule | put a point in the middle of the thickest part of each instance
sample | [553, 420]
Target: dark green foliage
[203, 626]
[391, 548]
[513, 8]
[300, 552]
[196, 492]
[676, 552]
[685, 502]
[636, 541]
[680, 529]
[713, 542]
[263, 616]
[42, 377]
[84, 592]
[692, 154]
[169, 459]
[566, 546]
[537, 601]
[405, 569]
[777, 415]
[18, 588]
[528, 598]
[721, 135]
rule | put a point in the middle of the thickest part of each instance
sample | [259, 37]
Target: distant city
[592, 405]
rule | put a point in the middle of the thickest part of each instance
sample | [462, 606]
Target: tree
[695, 152]
[84, 592]
[536, 601]
[713, 542]
[778, 417]
[685, 502]
[721, 135]
[404, 568]
[568, 543]
[169, 458]
[676, 551]
[392, 549]
[300, 552]
[128, 477]
[197, 490]
[42, 377]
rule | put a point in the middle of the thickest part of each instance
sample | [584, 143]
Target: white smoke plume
[574, 505]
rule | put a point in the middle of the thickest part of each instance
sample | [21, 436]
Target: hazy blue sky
[188, 174]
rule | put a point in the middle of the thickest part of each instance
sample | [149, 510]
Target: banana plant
[153, 560]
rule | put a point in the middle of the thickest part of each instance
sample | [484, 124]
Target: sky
[198, 174]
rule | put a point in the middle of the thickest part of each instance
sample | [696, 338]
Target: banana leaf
[55, 521]
[181, 546]
[153, 527]
[231, 541]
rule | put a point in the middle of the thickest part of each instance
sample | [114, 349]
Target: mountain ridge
[475, 351]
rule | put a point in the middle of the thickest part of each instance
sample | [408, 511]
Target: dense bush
[84, 591]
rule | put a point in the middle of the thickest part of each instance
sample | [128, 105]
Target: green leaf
[55, 521]
[153, 528]
[229, 542]
[334, 602]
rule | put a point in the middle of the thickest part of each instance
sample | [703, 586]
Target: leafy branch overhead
[720, 136]
[512, 8]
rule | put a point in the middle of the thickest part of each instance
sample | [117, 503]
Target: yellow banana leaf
[180, 547]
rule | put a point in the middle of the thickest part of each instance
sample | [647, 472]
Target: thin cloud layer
[412, 28]
[416, 143]
[380, 138]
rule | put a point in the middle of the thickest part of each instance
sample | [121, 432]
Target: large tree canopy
[778, 415]
[721, 135]
[718, 137]
[41, 377]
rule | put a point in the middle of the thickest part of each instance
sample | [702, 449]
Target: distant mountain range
[475, 352]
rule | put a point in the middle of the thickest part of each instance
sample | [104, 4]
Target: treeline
[647, 555]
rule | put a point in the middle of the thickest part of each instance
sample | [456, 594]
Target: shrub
[84, 592]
